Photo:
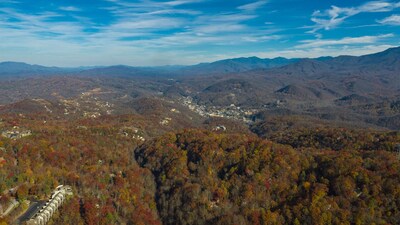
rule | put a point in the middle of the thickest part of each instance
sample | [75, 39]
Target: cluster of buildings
[88, 105]
[165, 121]
[127, 132]
[230, 112]
[16, 133]
[47, 210]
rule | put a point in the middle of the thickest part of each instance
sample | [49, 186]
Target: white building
[56, 200]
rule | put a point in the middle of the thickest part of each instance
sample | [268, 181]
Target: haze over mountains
[218, 67]
[388, 59]
[363, 90]
[235, 141]
[198, 112]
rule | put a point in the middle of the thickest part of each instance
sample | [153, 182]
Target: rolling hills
[350, 88]
[238, 141]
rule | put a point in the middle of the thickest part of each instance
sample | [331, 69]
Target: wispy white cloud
[175, 12]
[218, 28]
[144, 5]
[343, 41]
[227, 17]
[182, 2]
[317, 52]
[10, 1]
[261, 38]
[70, 8]
[253, 6]
[294, 53]
[194, 28]
[149, 29]
[333, 17]
[391, 20]
[377, 6]
[149, 23]
[37, 24]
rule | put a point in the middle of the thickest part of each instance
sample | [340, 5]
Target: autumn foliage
[298, 176]
[209, 178]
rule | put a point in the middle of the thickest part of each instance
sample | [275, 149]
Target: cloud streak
[151, 32]
[391, 20]
[70, 8]
[253, 6]
[335, 16]
[343, 41]
[144, 27]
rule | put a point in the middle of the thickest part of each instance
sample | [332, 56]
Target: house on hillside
[16, 133]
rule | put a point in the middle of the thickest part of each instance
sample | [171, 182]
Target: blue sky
[150, 32]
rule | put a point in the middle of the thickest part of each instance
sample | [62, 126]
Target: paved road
[32, 210]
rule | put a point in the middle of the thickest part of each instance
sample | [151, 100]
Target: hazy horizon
[187, 32]
[176, 65]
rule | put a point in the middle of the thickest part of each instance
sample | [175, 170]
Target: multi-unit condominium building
[47, 210]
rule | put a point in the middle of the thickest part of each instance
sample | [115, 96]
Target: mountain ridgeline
[218, 67]
[237, 141]
[361, 90]
[386, 60]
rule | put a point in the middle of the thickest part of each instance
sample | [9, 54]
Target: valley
[199, 112]
[240, 141]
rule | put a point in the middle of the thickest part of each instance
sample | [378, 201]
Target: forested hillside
[197, 176]
[209, 178]
[314, 141]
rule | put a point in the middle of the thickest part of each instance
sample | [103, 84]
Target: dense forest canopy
[237, 141]
[196, 176]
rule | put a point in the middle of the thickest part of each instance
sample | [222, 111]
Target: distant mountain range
[362, 90]
[301, 66]
[21, 69]
[237, 65]
[218, 67]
